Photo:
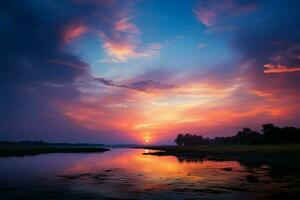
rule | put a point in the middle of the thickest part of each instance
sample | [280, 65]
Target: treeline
[270, 134]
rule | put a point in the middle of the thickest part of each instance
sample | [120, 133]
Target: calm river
[124, 173]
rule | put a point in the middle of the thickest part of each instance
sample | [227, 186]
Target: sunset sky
[112, 71]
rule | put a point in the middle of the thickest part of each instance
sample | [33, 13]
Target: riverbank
[292, 151]
[23, 150]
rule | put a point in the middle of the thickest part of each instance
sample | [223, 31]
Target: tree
[179, 139]
[247, 136]
[289, 135]
[190, 140]
[271, 133]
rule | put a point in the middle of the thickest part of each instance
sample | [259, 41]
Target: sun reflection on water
[129, 172]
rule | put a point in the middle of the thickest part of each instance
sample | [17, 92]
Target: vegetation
[272, 141]
[231, 150]
[270, 134]
[39, 147]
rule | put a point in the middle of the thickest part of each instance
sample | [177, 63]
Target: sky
[137, 71]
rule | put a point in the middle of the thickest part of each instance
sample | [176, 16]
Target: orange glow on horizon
[158, 116]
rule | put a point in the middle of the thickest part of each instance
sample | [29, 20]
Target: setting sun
[147, 140]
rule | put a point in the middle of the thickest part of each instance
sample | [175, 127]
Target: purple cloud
[143, 86]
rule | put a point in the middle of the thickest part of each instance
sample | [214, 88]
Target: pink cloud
[74, 31]
[207, 17]
[123, 25]
[270, 68]
[123, 42]
[211, 12]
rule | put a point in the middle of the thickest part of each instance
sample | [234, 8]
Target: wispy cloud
[74, 31]
[143, 86]
[210, 13]
[123, 42]
[78, 65]
[206, 17]
[201, 45]
[270, 68]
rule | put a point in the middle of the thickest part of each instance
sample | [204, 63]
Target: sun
[147, 140]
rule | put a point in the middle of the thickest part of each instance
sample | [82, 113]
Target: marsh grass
[247, 150]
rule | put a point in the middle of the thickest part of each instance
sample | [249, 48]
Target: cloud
[285, 59]
[270, 68]
[123, 25]
[46, 92]
[74, 64]
[204, 105]
[210, 13]
[38, 75]
[273, 49]
[31, 84]
[201, 45]
[143, 86]
[272, 46]
[207, 17]
[149, 85]
[74, 31]
[122, 43]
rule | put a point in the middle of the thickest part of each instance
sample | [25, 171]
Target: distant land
[24, 148]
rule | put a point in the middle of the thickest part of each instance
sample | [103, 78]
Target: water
[128, 174]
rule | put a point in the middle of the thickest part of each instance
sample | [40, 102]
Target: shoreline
[19, 150]
[250, 152]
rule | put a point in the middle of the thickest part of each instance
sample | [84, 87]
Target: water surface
[128, 174]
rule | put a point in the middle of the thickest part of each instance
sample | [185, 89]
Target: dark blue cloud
[272, 37]
[274, 30]
[31, 86]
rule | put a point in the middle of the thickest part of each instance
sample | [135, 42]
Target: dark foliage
[270, 134]
[188, 139]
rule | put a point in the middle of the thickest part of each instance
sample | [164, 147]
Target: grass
[23, 150]
[247, 150]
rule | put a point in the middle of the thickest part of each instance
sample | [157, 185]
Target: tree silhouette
[270, 134]
[179, 139]
[247, 136]
[189, 140]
